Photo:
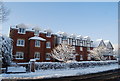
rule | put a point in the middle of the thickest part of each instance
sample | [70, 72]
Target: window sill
[19, 58]
[47, 58]
[37, 59]
[48, 36]
[21, 45]
[48, 47]
[37, 46]
[21, 33]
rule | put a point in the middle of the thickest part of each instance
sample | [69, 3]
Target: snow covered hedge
[73, 65]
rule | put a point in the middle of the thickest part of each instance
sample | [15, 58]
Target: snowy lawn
[60, 72]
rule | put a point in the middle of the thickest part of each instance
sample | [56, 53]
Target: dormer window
[73, 41]
[48, 45]
[64, 37]
[21, 30]
[88, 49]
[48, 34]
[36, 33]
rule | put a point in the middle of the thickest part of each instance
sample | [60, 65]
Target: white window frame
[70, 41]
[89, 57]
[48, 56]
[48, 44]
[73, 42]
[81, 48]
[60, 40]
[77, 42]
[64, 38]
[20, 42]
[21, 31]
[81, 57]
[88, 48]
[36, 33]
[37, 55]
[48, 34]
[37, 43]
[19, 55]
[85, 43]
[81, 43]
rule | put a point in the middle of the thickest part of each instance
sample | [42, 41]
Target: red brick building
[30, 43]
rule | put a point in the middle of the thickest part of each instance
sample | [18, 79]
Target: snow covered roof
[32, 59]
[97, 42]
[108, 44]
[37, 38]
[48, 30]
[36, 28]
[59, 33]
[87, 38]
[22, 26]
[64, 34]
[106, 41]
[79, 37]
[73, 35]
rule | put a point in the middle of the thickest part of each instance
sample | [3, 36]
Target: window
[89, 57]
[85, 43]
[36, 33]
[88, 49]
[81, 57]
[48, 34]
[37, 43]
[70, 41]
[64, 37]
[77, 42]
[81, 44]
[48, 45]
[47, 56]
[37, 55]
[81, 48]
[60, 40]
[73, 42]
[20, 42]
[88, 44]
[21, 30]
[19, 55]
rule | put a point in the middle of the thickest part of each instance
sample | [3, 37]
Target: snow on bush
[99, 52]
[16, 69]
[72, 65]
[6, 49]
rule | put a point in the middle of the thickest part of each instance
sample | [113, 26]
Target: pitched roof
[87, 38]
[108, 44]
[36, 28]
[79, 37]
[97, 42]
[22, 26]
[48, 30]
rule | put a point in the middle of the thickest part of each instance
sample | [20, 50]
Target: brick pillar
[32, 65]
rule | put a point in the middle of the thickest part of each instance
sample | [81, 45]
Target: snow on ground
[59, 72]
[16, 69]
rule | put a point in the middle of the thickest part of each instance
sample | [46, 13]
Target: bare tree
[4, 12]
[98, 53]
[64, 53]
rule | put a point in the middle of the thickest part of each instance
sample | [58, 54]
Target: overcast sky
[94, 19]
